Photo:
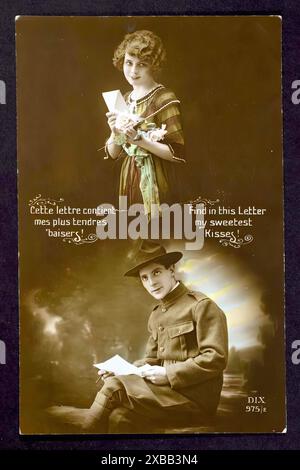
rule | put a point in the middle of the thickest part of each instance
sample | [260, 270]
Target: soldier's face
[157, 279]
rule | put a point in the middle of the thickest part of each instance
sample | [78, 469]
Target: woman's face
[137, 72]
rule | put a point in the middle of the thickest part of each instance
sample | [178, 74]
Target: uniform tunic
[188, 336]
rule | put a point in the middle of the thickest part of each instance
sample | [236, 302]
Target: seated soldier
[187, 351]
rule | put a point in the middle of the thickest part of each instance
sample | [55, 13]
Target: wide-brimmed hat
[151, 252]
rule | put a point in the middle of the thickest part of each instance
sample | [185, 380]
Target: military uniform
[188, 336]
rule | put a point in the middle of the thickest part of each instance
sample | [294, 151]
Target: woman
[152, 144]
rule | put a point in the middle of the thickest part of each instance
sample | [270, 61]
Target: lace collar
[145, 97]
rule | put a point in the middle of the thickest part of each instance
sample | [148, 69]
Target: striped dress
[159, 106]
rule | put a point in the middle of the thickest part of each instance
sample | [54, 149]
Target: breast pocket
[179, 338]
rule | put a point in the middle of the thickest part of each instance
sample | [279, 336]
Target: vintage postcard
[150, 190]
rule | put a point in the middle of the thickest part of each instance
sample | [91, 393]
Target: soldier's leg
[109, 397]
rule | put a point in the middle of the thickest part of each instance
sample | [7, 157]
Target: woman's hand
[111, 121]
[157, 375]
[159, 149]
[131, 134]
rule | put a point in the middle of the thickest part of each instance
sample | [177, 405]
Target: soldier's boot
[93, 419]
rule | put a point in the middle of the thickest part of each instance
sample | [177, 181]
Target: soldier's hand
[104, 374]
[157, 375]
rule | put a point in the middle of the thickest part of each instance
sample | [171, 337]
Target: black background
[8, 320]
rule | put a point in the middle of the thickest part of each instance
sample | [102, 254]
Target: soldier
[187, 351]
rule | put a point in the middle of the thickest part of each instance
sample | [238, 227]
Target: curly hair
[144, 45]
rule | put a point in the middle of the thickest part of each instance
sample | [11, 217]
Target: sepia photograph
[150, 191]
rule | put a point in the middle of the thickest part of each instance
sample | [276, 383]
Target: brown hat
[151, 252]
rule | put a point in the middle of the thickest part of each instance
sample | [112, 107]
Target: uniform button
[161, 348]
[163, 309]
[161, 328]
